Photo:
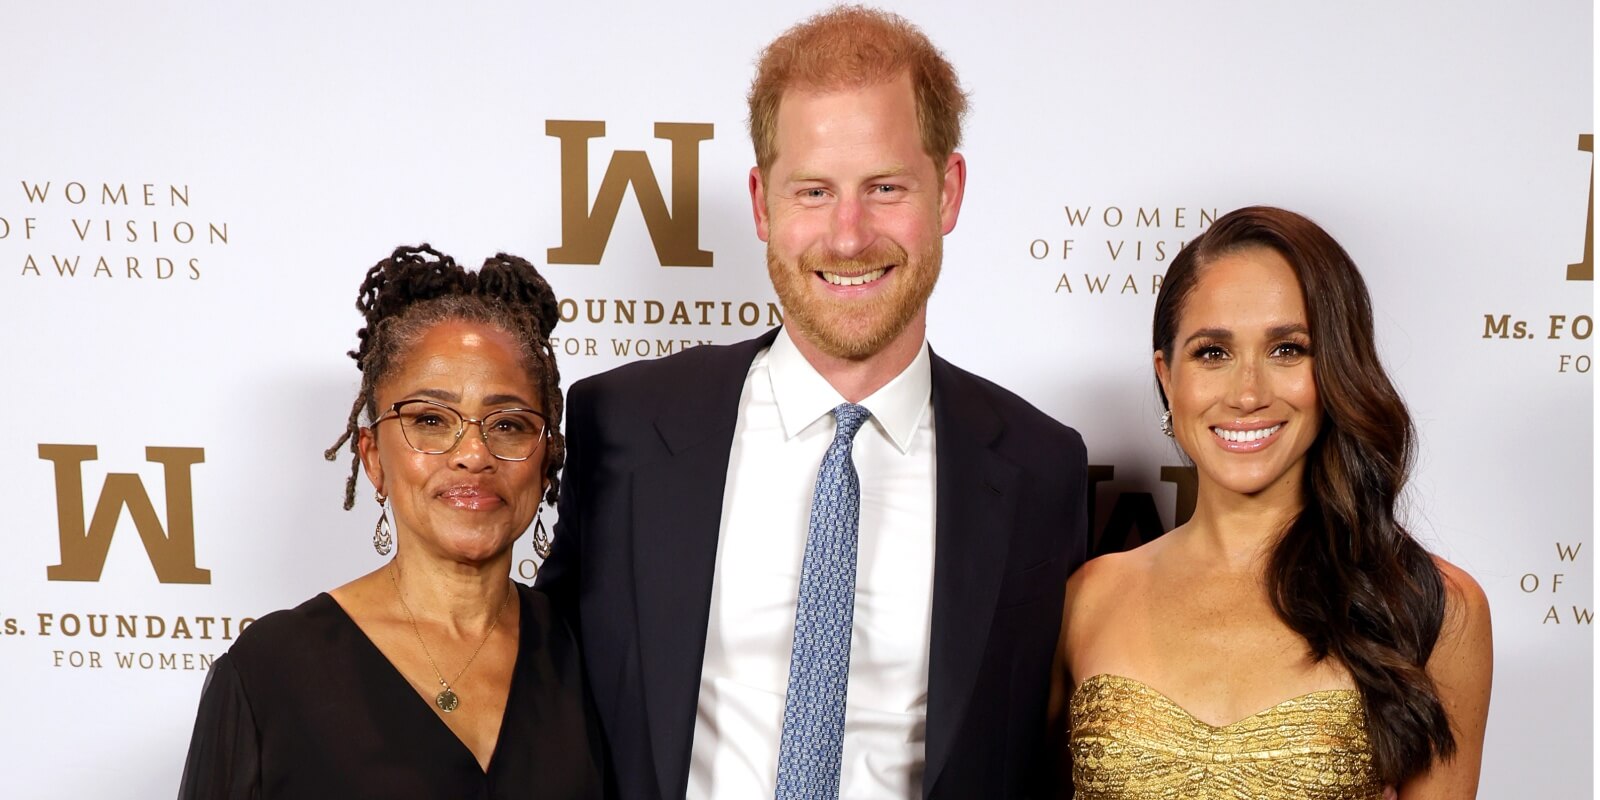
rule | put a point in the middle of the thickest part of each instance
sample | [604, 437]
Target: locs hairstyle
[1345, 574]
[416, 288]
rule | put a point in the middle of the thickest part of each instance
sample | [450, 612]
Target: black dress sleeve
[225, 753]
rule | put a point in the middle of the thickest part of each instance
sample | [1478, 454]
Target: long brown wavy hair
[1345, 574]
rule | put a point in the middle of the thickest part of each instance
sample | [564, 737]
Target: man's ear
[950, 194]
[758, 203]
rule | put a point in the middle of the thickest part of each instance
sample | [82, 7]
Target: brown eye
[509, 424]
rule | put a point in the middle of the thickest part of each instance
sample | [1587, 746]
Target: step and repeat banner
[191, 192]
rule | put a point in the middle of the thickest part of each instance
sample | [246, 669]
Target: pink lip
[1250, 446]
[470, 498]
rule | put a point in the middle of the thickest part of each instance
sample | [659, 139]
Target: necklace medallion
[446, 701]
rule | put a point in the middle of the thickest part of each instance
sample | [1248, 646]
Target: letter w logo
[585, 231]
[84, 547]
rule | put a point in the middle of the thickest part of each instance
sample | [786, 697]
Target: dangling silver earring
[1166, 423]
[382, 537]
[541, 537]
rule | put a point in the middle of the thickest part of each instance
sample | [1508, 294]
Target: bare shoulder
[1462, 667]
[1090, 580]
[1102, 579]
[1466, 609]
[1462, 663]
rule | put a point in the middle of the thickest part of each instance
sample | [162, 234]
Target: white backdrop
[300, 142]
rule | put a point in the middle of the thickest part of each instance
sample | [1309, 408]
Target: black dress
[304, 705]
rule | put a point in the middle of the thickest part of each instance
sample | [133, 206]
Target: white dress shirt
[783, 430]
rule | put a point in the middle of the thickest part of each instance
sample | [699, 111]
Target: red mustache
[883, 254]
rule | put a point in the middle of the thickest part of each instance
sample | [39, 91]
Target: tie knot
[850, 418]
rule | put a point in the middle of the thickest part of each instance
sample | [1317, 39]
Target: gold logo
[1584, 270]
[585, 231]
[1133, 519]
[84, 546]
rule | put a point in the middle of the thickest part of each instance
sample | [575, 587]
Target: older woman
[434, 675]
[1291, 640]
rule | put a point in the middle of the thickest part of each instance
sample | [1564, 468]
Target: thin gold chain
[496, 621]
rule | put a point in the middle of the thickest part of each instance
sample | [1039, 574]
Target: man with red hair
[825, 562]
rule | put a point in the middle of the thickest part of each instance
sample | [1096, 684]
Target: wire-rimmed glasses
[433, 428]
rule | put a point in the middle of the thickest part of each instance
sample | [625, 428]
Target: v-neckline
[422, 702]
[1145, 688]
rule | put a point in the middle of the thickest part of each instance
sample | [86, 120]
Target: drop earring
[541, 536]
[1166, 423]
[382, 537]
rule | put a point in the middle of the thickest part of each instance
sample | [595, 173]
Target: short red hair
[853, 46]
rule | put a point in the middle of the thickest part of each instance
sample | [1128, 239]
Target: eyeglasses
[510, 434]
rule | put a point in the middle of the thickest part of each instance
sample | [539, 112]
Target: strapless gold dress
[1131, 742]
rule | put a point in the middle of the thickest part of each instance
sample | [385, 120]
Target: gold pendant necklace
[446, 699]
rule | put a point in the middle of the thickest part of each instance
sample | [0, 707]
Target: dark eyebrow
[1275, 332]
[1209, 333]
[504, 399]
[438, 394]
[451, 397]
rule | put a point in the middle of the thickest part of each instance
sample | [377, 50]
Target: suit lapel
[975, 509]
[677, 515]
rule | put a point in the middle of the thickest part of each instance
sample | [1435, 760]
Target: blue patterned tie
[819, 664]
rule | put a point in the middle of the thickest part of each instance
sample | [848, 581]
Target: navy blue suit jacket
[635, 553]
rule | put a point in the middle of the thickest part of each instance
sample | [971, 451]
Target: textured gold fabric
[1130, 742]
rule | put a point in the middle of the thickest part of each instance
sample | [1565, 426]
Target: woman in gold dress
[1291, 639]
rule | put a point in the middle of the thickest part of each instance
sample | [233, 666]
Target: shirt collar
[804, 396]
